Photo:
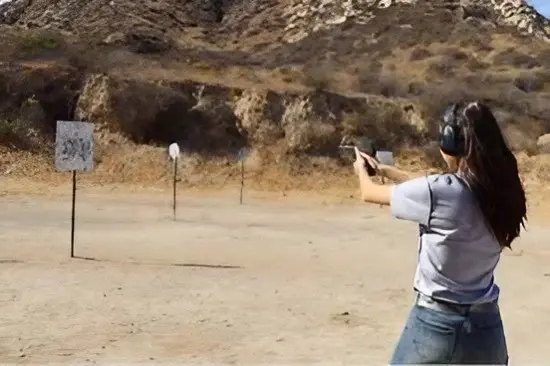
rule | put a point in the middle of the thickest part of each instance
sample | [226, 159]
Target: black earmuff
[451, 133]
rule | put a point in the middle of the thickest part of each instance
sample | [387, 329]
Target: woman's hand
[361, 159]
[370, 191]
[382, 170]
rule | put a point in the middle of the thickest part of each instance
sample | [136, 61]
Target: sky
[542, 6]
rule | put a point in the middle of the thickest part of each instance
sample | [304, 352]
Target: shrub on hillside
[385, 84]
[442, 67]
[528, 83]
[17, 134]
[318, 77]
[420, 53]
[36, 42]
[512, 57]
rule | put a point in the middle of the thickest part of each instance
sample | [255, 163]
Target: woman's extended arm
[373, 192]
[410, 200]
[370, 191]
[395, 174]
[387, 171]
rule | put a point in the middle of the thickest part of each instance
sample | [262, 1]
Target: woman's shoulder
[445, 179]
[444, 185]
[447, 184]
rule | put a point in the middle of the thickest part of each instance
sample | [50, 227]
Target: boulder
[139, 110]
[259, 116]
[543, 144]
[309, 124]
[196, 117]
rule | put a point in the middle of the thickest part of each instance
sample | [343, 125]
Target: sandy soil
[271, 281]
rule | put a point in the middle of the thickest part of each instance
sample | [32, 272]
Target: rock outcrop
[524, 17]
[543, 144]
[225, 118]
[306, 17]
[259, 115]
[300, 17]
[150, 112]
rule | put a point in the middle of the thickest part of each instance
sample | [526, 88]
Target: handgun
[365, 146]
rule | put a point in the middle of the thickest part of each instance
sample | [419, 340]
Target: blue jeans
[433, 336]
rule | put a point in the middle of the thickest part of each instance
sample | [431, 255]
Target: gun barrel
[346, 147]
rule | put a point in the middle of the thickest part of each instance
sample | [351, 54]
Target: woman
[466, 218]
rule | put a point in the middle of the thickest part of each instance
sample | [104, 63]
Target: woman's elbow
[368, 198]
[381, 195]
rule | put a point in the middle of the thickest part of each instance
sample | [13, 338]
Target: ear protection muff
[451, 131]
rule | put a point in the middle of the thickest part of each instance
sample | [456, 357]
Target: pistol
[366, 147]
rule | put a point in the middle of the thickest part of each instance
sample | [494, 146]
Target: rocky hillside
[286, 76]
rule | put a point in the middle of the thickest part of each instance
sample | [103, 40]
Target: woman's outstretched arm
[395, 174]
[373, 192]
[370, 191]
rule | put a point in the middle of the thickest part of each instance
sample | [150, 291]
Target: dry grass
[147, 167]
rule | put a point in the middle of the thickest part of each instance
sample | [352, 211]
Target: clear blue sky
[542, 6]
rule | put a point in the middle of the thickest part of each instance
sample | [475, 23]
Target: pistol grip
[370, 169]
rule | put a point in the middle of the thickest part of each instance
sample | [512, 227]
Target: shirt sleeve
[412, 201]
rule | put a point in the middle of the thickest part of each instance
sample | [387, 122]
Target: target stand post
[74, 146]
[174, 155]
[242, 183]
[73, 213]
[174, 187]
[241, 156]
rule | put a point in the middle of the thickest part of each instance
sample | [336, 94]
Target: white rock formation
[524, 17]
[309, 16]
[543, 144]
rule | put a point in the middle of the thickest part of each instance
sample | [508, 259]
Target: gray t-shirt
[457, 251]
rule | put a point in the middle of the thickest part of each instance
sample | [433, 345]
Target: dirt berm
[286, 78]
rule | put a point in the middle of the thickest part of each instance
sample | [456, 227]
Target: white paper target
[174, 151]
[385, 157]
[74, 144]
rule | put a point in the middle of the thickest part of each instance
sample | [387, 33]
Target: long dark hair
[491, 171]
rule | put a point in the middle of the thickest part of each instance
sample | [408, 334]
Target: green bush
[18, 135]
[42, 40]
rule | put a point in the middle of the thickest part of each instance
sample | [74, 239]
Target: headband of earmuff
[451, 132]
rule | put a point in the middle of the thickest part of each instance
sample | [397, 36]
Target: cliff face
[294, 18]
[292, 76]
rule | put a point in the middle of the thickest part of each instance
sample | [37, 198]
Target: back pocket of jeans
[437, 322]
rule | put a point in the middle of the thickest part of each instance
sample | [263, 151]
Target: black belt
[462, 309]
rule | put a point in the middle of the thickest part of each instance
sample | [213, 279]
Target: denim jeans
[433, 336]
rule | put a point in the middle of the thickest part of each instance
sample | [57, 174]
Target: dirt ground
[287, 280]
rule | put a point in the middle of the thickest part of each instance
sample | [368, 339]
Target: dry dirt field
[278, 281]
